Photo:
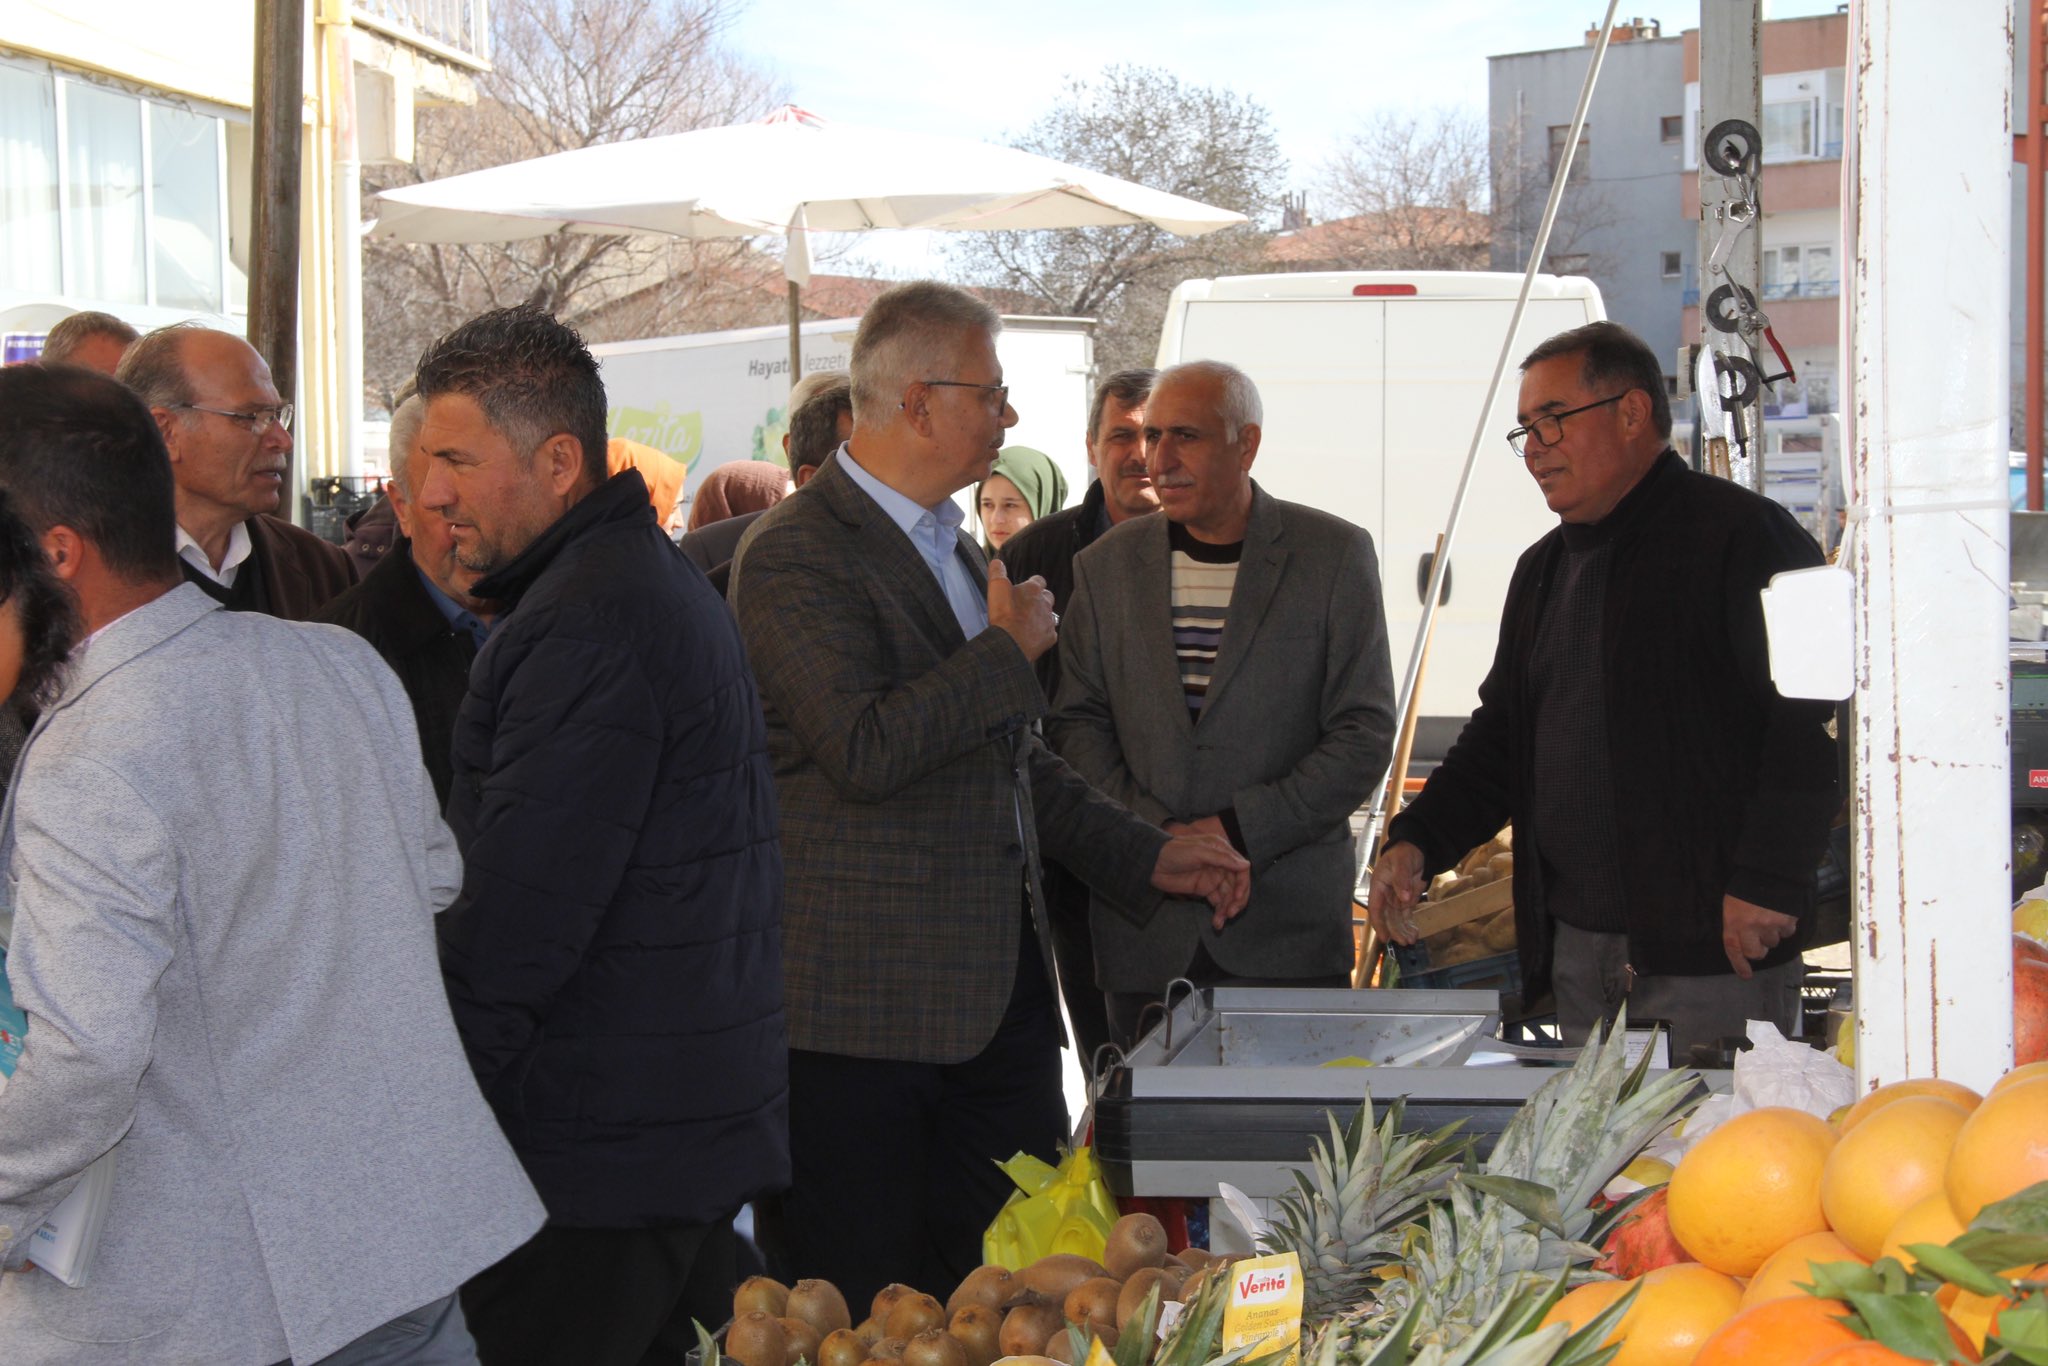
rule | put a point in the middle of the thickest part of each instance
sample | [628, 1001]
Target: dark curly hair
[49, 614]
[532, 376]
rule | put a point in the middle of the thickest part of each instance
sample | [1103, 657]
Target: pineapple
[1351, 1212]
[1509, 1336]
[1526, 1216]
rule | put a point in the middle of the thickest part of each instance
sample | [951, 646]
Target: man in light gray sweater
[223, 863]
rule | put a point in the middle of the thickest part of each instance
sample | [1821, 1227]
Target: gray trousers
[1590, 978]
[431, 1335]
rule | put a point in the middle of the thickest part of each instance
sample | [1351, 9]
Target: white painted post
[1928, 342]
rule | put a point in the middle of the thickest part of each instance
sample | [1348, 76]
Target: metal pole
[274, 219]
[1731, 87]
[2037, 232]
[1440, 567]
[796, 334]
[348, 240]
[1930, 358]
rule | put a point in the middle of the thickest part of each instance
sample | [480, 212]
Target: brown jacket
[301, 572]
[904, 754]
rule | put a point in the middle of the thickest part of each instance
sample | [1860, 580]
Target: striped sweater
[1203, 578]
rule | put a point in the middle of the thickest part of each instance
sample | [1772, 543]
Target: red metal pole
[2037, 234]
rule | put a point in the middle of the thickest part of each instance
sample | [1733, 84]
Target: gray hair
[814, 426]
[406, 422]
[800, 393]
[73, 332]
[1239, 404]
[906, 334]
[155, 366]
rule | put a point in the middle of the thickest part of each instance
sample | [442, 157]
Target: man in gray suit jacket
[1224, 671]
[223, 863]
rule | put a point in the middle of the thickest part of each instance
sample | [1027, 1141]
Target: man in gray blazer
[223, 863]
[1224, 671]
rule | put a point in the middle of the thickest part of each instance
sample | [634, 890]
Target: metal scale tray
[1235, 1083]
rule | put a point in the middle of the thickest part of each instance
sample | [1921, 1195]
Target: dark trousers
[602, 1296]
[894, 1162]
[1073, 949]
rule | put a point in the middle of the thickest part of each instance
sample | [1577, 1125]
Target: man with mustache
[229, 435]
[1226, 673]
[1122, 490]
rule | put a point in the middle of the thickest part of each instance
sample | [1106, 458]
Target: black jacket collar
[621, 498]
[1646, 492]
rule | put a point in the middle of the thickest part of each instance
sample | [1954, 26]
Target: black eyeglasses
[1001, 391]
[1549, 428]
[257, 422]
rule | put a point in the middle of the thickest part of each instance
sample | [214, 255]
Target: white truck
[716, 396]
[1372, 384]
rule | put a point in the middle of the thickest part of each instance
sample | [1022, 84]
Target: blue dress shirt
[459, 617]
[936, 534]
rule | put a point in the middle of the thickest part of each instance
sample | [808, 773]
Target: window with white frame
[1805, 271]
[111, 196]
[1789, 129]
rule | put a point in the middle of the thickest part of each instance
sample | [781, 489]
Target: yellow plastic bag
[1055, 1209]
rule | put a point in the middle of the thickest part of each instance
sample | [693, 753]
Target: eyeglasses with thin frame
[1001, 391]
[1549, 428]
[257, 422]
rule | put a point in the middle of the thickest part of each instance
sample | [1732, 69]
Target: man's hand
[1750, 931]
[1023, 609]
[1201, 866]
[1396, 887]
[1206, 825]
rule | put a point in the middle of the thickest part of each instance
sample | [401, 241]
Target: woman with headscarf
[736, 487]
[1023, 486]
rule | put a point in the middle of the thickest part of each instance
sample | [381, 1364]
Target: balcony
[458, 30]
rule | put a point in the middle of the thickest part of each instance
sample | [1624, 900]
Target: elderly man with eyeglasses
[229, 436]
[1669, 807]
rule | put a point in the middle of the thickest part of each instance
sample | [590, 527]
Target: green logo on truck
[680, 435]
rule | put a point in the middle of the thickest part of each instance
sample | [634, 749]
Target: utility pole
[274, 220]
[1731, 240]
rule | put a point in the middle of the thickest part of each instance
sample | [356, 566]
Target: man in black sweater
[1669, 806]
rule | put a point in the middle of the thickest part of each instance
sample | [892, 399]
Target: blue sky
[1318, 66]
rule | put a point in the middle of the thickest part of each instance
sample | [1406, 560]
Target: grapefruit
[1791, 1266]
[2027, 1071]
[2001, 1149]
[1929, 1221]
[1750, 1187]
[1787, 1332]
[1901, 1090]
[1580, 1307]
[1675, 1311]
[1884, 1166]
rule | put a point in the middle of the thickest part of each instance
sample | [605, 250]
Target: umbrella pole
[796, 339]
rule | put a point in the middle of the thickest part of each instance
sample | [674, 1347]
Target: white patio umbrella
[791, 173]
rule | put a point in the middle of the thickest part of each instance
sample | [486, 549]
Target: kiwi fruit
[1197, 1278]
[979, 1328]
[819, 1304]
[764, 1293]
[1138, 1286]
[1195, 1258]
[800, 1340]
[885, 1300]
[888, 1349]
[934, 1347]
[1032, 1359]
[1093, 1300]
[841, 1348]
[756, 1339]
[1054, 1277]
[869, 1331]
[1068, 1346]
[1025, 1330]
[912, 1314]
[988, 1285]
[1136, 1242]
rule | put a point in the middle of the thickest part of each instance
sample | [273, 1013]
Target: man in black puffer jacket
[614, 961]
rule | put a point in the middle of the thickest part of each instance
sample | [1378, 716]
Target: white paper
[65, 1244]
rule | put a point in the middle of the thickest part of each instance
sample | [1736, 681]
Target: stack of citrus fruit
[1771, 1193]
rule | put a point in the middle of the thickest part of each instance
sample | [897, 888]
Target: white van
[1372, 382]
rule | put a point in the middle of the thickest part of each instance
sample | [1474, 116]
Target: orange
[1884, 1166]
[1785, 1332]
[1581, 1306]
[1791, 1266]
[1677, 1309]
[2026, 1071]
[1750, 1187]
[1900, 1090]
[1874, 1353]
[1977, 1315]
[2001, 1150]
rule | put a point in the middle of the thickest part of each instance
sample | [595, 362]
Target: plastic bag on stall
[1775, 1071]
[1066, 1208]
